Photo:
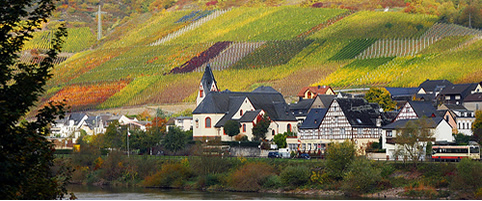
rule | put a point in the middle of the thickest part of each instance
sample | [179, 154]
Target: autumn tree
[382, 97]
[412, 139]
[26, 155]
[477, 127]
[338, 158]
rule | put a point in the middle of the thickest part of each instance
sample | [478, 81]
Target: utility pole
[470, 19]
[99, 23]
[128, 134]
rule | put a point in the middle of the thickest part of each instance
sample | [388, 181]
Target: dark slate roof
[459, 89]
[234, 103]
[359, 112]
[265, 89]
[227, 102]
[304, 104]
[402, 92]
[456, 107]
[91, 122]
[208, 79]
[423, 108]
[434, 85]
[314, 118]
[425, 97]
[249, 116]
[432, 122]
[77, 117]
[326, 99]
[476, 97]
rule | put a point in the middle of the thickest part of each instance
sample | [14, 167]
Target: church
[214, 108]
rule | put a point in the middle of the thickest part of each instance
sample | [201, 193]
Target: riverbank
[372, 179]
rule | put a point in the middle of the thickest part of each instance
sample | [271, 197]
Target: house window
[244, 128]
[272, 132]
[207, 122]
[389, 134]
[201, 93]
[342, 132]
[240, 112]
[360, 131]
[334, 108]
[288, 127]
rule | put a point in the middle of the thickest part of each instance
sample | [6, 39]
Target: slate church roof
[227, 102]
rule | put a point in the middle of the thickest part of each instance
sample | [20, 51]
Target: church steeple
[207, 84]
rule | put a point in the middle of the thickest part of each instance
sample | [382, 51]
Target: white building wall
[443, 132]
[199, 129]
[464, 125]
[246, 106]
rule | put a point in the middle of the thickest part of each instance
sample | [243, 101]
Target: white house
[440, 129]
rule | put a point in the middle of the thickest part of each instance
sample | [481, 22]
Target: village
[321, 116]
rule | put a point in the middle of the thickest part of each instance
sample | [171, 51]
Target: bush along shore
[341, 173]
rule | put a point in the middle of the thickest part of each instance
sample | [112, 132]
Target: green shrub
[170, 175]
[206, 181]
[272, 182]
[361, 177]
[250, 176]
[295, 175]
[338, 158]
[204, 165]
[112, 166]
[468, 175]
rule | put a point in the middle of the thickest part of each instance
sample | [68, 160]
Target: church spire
[207, 84]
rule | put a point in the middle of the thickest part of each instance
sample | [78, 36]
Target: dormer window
[240, 112]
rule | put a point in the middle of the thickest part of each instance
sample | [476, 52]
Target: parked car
[304, 156]
[273, 155]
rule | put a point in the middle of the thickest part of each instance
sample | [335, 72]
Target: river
[83, 192]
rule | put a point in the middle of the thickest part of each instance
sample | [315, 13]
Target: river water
[83, 192]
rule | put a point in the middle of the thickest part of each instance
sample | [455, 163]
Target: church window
[208, 122]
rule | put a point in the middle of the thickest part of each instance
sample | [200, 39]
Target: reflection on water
[133, 193]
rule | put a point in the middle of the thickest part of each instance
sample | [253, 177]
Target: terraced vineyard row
[272, 53]
[190, 27]
[325, 24]
[204, 57]
[84, 97]
[231, 55]
[396, 47]
[443, 30]
[78, 39]
[31, 59]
